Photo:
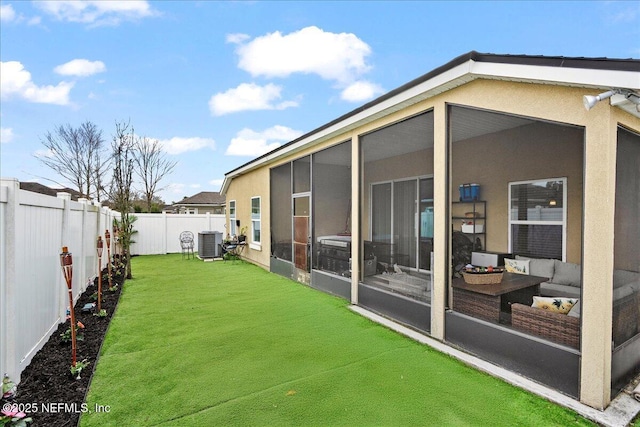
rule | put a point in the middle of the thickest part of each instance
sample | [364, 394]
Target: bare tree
[77, 155]
[152, 167]
[123, 157]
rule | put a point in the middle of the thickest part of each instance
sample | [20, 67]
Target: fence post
[165, 224]
[10, 196]
[84, 266]
[64, 236]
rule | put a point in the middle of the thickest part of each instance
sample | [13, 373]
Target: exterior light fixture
[590, 101]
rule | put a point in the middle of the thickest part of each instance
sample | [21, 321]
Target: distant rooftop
[203, 198]
[36, 187]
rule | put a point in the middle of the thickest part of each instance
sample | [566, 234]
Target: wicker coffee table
[488, 301]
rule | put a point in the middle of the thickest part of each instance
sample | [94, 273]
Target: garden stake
[66, 262]
[107, 237]
[99, 246]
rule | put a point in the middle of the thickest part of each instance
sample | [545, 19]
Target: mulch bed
[47, 387]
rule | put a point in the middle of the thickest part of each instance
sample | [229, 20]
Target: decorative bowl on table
[482, 275]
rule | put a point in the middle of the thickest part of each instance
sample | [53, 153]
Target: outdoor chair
[186, 243]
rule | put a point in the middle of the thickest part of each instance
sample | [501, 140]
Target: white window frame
[256, 219]
[563, 223]
[232, 218]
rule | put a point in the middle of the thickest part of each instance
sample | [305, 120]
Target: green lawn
[212, 344]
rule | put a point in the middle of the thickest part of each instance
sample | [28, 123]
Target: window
[232, 217]
[537, 218]
[255, 219]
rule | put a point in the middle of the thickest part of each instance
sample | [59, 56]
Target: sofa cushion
[623, 277]
[550, 289]
[540, 267]
[554, 304]
[566, 273]
[517, 266]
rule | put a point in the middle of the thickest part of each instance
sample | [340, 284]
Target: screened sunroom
[375, 207]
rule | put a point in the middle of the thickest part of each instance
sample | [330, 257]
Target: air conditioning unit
[209, 244]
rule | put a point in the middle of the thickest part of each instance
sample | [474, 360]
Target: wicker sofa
[564, 281]
[555, 327]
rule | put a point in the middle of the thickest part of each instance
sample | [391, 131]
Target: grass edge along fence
[252, 348]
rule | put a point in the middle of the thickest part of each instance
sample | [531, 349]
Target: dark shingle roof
[36, 187]
[203, 198]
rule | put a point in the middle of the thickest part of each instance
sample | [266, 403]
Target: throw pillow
[517, 266]
[554, 304]
[540, 267]
[575, 310]
[566, 273]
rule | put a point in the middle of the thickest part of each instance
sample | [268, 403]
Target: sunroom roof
[595, 73]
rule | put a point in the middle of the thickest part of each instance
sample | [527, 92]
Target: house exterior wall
[592, 222]
[542, 151]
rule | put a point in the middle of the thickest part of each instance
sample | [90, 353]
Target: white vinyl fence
[33, 230]
[160, 233]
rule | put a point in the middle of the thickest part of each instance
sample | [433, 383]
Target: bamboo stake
[66, 262]
[99, 246]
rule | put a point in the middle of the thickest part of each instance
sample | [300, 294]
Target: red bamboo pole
[66, 262]
[99, 246]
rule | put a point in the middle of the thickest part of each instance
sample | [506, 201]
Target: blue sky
[219, 83]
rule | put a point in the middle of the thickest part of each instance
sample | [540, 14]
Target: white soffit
[581, 77]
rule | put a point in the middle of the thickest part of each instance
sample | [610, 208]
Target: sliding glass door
[395, 220]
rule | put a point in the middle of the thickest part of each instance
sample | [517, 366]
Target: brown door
[301, 232]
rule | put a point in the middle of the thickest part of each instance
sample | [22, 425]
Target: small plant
[11, 416]
[101, 313]
[77, 370]
[9, 388]
[66, 335]
[94, 296]
[113, 288]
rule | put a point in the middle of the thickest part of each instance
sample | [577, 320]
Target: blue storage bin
[469, 192]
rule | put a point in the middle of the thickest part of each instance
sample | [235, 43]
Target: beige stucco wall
[546, 102]
[242, 190]
[537, 151]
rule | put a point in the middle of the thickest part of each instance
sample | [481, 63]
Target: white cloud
[361, 91]
[44, 153]
[97, 12]
[181, 188]
[237, 38]
[16, 81]
[36, 20]
[178, 145]
[216, 183]
[251, 143]
[80, 68]
[248, 96]
[340, 57]
[7, 14]
[6, 135]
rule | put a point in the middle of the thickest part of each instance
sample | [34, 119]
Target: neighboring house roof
[36, 187]
[211, 198]
[592, 73]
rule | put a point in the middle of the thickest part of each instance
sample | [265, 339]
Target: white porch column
[355, 217]
[440, 231]
[597, 261]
